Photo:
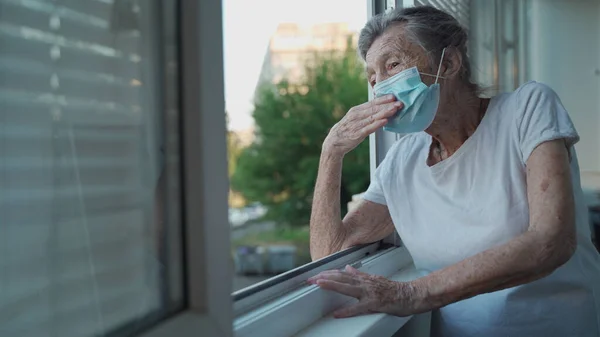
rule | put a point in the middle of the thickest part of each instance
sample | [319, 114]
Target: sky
[247, 27]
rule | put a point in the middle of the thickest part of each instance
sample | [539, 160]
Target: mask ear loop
[440, 66]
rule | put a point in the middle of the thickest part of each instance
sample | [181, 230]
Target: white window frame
[209, 306]
[381, 141]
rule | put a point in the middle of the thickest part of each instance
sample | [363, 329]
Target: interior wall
[481, 45]
[564, 52]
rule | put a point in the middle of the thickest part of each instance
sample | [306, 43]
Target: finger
[352, 310]
[321, 275]
[343, 278]
[335, 275]
[369, 129]
[389, 110]
[342, 288]
[353, 270]
[380, 111]
[377, 101]
[384, 99]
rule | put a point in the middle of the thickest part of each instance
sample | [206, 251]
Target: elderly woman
[487, 199]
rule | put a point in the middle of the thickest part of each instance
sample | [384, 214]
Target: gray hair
[428, 27]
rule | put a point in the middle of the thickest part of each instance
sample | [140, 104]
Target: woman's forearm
[524, 259]
[326, 231]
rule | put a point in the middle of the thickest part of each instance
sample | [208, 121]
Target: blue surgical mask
[420, 101]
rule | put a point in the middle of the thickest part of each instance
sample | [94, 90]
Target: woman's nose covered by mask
[420, 101]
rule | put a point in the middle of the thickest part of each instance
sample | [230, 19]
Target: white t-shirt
[477, 199]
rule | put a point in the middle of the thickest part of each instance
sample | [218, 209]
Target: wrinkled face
[392, 53]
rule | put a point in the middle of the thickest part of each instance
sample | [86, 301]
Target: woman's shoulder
[526, 94]
[533, 87]
[534, 113]
[532, 92]
[530, 100]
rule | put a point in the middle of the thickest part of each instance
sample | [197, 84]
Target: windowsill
[293, 312]
[369, 325]
[186, 324]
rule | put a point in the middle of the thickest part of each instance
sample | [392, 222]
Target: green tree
[234, 149]
[279, 168]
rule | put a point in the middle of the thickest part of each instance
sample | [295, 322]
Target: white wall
[564, 52]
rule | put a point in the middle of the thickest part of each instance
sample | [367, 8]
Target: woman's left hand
[374, 293]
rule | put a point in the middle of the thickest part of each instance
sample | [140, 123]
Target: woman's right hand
[359, 122]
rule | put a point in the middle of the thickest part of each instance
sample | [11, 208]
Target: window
[277, 122]
[89, 169]
[508, 48]
[115, 216]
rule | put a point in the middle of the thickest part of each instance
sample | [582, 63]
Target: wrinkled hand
[359, 122]
[374, 293]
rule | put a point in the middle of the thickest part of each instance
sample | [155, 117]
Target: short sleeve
[542, 118]
[375, 191]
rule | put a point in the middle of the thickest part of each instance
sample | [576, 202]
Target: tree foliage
[279, 168]
[234, 149]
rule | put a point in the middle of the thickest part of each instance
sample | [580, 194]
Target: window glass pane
[89, 162]
[289, 77]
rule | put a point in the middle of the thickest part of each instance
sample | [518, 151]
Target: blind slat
[457, 8]
[77, 234]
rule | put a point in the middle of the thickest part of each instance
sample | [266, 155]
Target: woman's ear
[452, 63]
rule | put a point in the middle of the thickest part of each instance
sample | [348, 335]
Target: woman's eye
[394, 65]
